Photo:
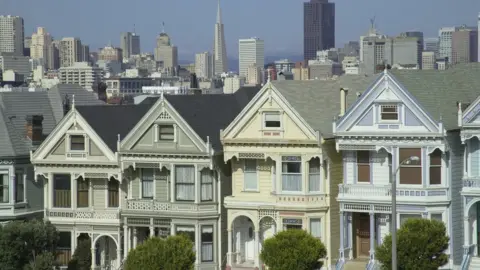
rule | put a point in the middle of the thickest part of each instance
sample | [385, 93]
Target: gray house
[25, 120]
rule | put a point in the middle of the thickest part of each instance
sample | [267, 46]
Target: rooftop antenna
[163, 27]
[134, 28]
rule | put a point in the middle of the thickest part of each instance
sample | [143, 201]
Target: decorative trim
[6, 162]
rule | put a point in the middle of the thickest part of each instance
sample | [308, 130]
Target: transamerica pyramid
[220, 63]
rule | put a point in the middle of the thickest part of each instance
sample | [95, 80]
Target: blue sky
[190, 22]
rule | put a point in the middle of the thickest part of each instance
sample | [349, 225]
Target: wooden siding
[336, 178]
[99, 193]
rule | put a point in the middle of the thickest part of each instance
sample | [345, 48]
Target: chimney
[343, 100]
[34, 128]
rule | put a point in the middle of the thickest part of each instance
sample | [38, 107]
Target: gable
[73, 140]
[471, 116]
[387, 107]
[269, 116]
[162, 130]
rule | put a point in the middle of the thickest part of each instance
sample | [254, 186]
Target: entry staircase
[474, 263]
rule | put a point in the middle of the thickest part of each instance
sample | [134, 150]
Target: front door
[363, 235]
[250, 245]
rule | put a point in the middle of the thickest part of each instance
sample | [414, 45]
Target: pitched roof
[437, 91]
[318, 102]
[16, 105]
[109, 121]
[208, 114]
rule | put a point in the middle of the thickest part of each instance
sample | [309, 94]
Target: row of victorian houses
[232, 170]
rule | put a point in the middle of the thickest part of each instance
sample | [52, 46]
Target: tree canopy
[293, 249]
[82, 257]
[175, 252]
[421, 245]
[26, 242]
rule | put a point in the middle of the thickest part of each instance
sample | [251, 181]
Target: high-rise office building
[71, 51]
[431, 45]
[445, 42]
[429, 60]
[250, 51]
[130, 44]
[166, 53]
[220, 62]
[11, 35]
[464, 45]
[318, 27]
[40, 47]
[110, 53]
[203, 65]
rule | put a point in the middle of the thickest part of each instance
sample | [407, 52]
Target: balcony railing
[382, 193]
[301, 200]
[153, 205]
[84, 214]
[471, 182]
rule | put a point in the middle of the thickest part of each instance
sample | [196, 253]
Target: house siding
[162, 180]
[99, 193]
[34, 190]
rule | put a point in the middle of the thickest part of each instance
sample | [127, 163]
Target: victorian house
[26, 118]
[285, 169]
[119, 174]
[403, 127]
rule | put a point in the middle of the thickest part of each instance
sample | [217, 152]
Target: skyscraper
[166, 53]
[40, 46]
[250, 52]
[318, 27]
[464, 45]
[130, 44]
[11, 35]
[203, 65]
[219, 48]
[71, 51]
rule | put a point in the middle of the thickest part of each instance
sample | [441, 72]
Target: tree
[293, 249]
[82, 257]
[22, 242]
[421, 244]
[44, 261]
[101, 89]
[175, 252]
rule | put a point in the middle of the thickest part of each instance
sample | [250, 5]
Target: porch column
[130, 239]
[342, 237]
[466, 232]
[135, 237]
[152, 231]
[94, 257]
[256, 249]
[172, 183]
[125, 241]
[229, 249]
[90, 193]
[350, 235]
[51, 196]
[73, 191]
[119, 256]
[372, 236]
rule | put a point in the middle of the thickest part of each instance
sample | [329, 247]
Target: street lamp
[394, 208]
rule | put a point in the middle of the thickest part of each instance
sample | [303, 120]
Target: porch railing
[467, 255]
[339, 265]
[153, 205]
[83, 214]
[471, 182]
[382, 192]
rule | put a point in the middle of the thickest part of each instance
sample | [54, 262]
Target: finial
[161, 95]
[269, 75]
[73, 101]
[385, 70]
[118, 137]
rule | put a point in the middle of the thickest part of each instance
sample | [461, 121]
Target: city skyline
[148, 21]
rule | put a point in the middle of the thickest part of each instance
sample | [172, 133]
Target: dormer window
[77, 143]
[389, 112]
[166, 133]
[272, 120]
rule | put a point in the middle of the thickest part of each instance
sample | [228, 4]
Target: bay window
[314, 178]
[436, 167]
[206, 181]
[82, 192]
[147, 183]
[292, 224]
[113, 193]
[292, 173]
[411, 174]
[250, 178]
[316, 227]
[188, 231]
[62, 188]
[185, 182]
[207, 243]
[4, 187]
[19, 186]
[405, 217]
[363, 166]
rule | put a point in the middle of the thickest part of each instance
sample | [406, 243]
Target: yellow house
[285, 169]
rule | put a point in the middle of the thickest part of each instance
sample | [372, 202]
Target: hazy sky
[190, 23]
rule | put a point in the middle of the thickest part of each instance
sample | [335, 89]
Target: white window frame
[302, 171]
[256, 175]
[399, 220]
[5, 173]
[310, 226]
[158, 127]
[212, 227]
[23, 174]
[388, 105]
[70, 142]
[141, 185]
[264, 119]
[436, 213]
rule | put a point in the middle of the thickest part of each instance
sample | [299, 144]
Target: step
[355, 265]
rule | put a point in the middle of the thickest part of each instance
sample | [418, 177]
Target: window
[272, 120]
[19, 187]
[436, 167]
[363, 166]
[314, 178]
[436, 216]
[113, 193]
[207, 244]
[250, 175]
[82, 192]
[166, 133]
[77, 142]
[291, 173]
[206, 180]
[64, 248]
[389, 112]
[62, 191]
[188, 231]
[411, 174]
[147, 183]
[185, 183]
[4, 188]
[292, 223]
[274, 176]
[405, 217]
[316, 227]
